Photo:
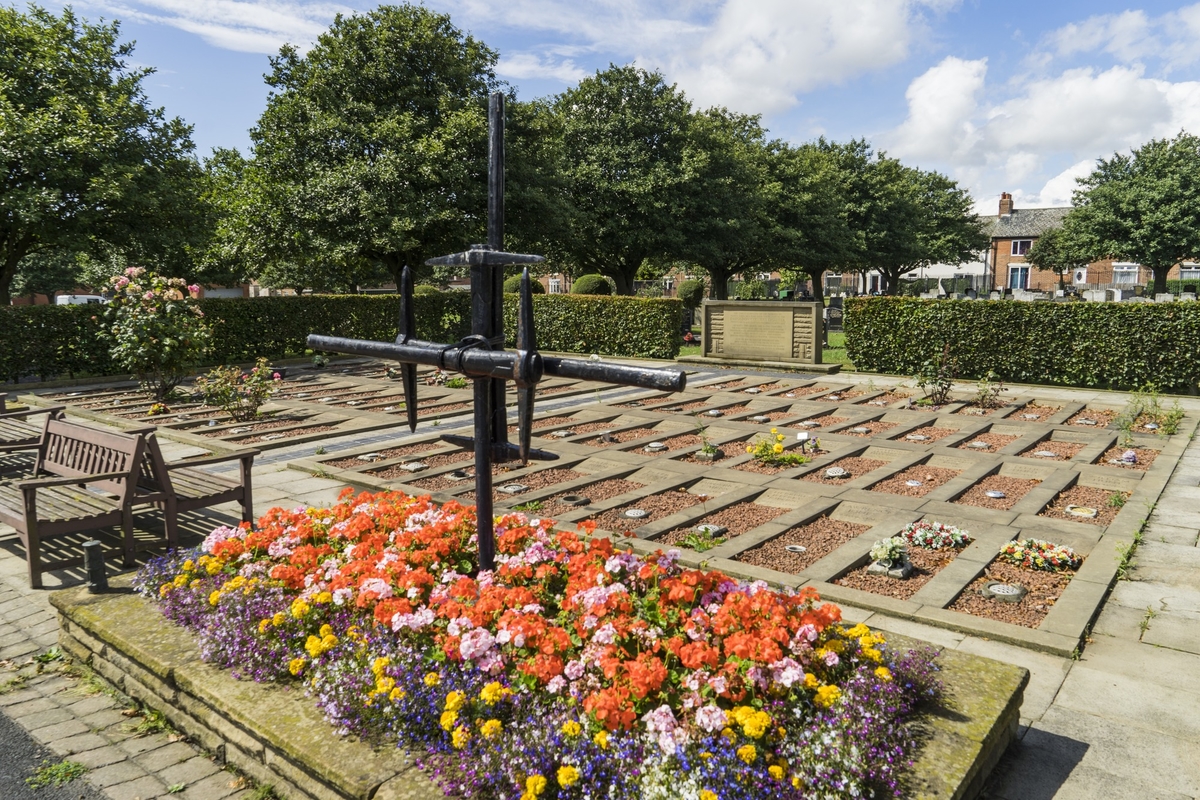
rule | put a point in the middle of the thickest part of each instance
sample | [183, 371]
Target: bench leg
[130, 542]
[33, 555]
[247, 468]
[171, 521]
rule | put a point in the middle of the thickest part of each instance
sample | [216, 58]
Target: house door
[1018, 277]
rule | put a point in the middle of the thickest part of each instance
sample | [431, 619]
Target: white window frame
[555, 286]
[1021, 270]
[1016, 247]
[1189, 272]
[1125, 273]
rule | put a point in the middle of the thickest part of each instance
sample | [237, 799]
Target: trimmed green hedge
[57, 341]
[1103, 345]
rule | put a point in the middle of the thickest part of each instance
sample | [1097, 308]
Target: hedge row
[58, 341]
[1102, 345]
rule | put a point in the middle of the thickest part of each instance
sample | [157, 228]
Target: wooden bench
[179, 486]
[89, 482]
[17, 432]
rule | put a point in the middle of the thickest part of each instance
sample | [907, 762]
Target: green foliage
[616, 326]
[753, 289]
[936, 376]
[237, 393]
[691, 293]
[1145, 405]
[591, 284]
[988, 391]
[512, 285]
[769, 450]
[1058, 250]
[425, 289]
[59, 773]
[89, 166]
[1103, 345]
[701, 540]
[154, 329]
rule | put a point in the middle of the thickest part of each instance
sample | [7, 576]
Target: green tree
[1143, 206]
[373, 146]
[87, 164]
[1058, 250]
[628, 163]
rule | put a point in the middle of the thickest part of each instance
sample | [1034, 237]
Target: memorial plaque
[780, 498]
[593, 465]
[650, 476]
[763, 331]
[1026, 472]
[950, 462]
[885, 454]
[861, 513]
[713, 488]
[1112, 483]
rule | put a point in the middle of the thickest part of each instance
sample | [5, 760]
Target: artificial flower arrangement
[1039, 554]
[935, 535]
[769, 450]
[893, 550]
[573, 670]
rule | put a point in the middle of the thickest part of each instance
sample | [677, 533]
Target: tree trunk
[818, 290]
[623, 281]
[891, 281]
[1062, 281]
[1160, 278]
[720, 282]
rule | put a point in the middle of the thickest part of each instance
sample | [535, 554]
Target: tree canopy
[1058, 250]
[88, 165]
[1143, 206]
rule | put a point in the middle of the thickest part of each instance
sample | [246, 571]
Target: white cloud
[941, 105]
[1133, 37]
[532, 65]
[1058, 190]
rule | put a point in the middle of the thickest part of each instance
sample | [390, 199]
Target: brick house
[1014, 230]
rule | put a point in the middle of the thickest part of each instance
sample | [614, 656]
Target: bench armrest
[33, 484]
[29, 412]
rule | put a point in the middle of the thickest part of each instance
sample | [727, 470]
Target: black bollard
[93, 560]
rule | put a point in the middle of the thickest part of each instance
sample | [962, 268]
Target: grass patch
[56, 774]
[835, 351]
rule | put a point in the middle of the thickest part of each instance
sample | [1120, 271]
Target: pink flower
[710, 718]
[276, 376]
[476, 643]
[148, 296]
[193, 288]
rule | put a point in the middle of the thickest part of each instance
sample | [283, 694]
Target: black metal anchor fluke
[408, 371]
[527, 369]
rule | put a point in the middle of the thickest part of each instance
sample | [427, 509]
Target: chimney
[1006, 204]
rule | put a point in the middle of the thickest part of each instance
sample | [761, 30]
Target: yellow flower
[189, 566]
[705, 794]
[162, 590]
[279, 618]
[827, 696]
[779, 437]
[379, 665]
[567, 775]
[730, 735]
[756, 724]
[535, 785]
[397, 694]
[742, 713]
[180, 581]
[777, 449]
[491, 728]
[433, 679]
[263, 625]
[858, 631]
[776, 772]
[572, 728]
[323, 598]
[493, 693]
[384, 684]
[883, 673]
[326, 630]
[747, 753]
[601, 740]
[214, 598]
[749, 449]
[295, 665]
[313, 646]
[795, 781]
[810, 681]
[774, 430]
[706, 755]
[455, 701]
[299, 608]
[872, 654]
[460, 737]
[448, 720]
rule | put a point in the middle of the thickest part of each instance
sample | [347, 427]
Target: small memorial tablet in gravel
[636, 513]
[995, 494]
[414, 466]
[836, 472]
[513, 488]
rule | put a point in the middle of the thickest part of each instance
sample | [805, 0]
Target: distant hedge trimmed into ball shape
[691, 292]
[512, 285]
[591, 284]
[423, 289]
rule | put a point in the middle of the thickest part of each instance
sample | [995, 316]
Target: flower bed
[573, 670]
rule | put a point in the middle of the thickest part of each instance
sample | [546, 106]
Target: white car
[78, 299]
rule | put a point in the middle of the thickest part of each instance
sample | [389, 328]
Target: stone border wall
[277, 736]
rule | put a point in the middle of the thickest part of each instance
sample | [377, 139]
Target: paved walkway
[1121, 721]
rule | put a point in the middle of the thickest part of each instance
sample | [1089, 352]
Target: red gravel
[738, 519]
[1065, 450]
[934, 433]
[930, 478]
[1145, 456]
[1044, 590]
[801, 391]
[1013, 488]
[820, 538]
[1103, 417]
[680, 442]
[620, 437]
[885, 399]
[393, 452]
[765, 388]
[660, 505]
[758, 467]
[720, 387]
[545, 422]
[972, 410]
[433, 462]
[680, 407]
[1043, 412]
[433, 411]
[824, 421]
[589, 427]
[857, 467]
[727, 450]
[926, 563]
[1089, 496]
[596, 493]
[837, 397]
[996, 440]
[288, 434]
[875, 427]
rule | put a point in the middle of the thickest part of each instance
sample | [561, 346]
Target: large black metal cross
[482, 357]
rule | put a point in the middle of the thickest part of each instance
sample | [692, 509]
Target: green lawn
[835, 353]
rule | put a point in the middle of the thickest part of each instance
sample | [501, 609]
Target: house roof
[1027, 222]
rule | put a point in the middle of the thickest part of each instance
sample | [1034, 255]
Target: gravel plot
[620, 437]
[885, 399]
[820, 538]
[933, 432]
[996, 440]
[801, 391]
[1064, 451]
[1145, 455]
[775, 415]
[589, 427]
[837, 397]
[1139, 425]
[393, 452]
[1013, 488]
[543, 423]
[433, 462]
[727, 450]
[854, 465]
[930, 478]
[596, 493]
[720, 387]
[926, 563]
[765, 387]
[1088, 496]
[729, 411]
[1102, 417]
[875, 427]
[738, 519]
[1044, 590]
[422, 411]
[678, 408]
[758, 467]
[823, 421]
[972, 410]
[554, 390]
[439, 483]
[535, 481]
[253, 427]
[1043, 412]
[660, 505]
[684, 440]
[287, 434]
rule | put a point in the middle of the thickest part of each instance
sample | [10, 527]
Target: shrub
[425, 289]
[512, 285]
[618, 326]
[1106, 345]
[238, 393]
[591, 284]
[154, 329]
[750, 290]
[691, 293]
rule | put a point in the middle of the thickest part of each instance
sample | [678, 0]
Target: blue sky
[1002, 95]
